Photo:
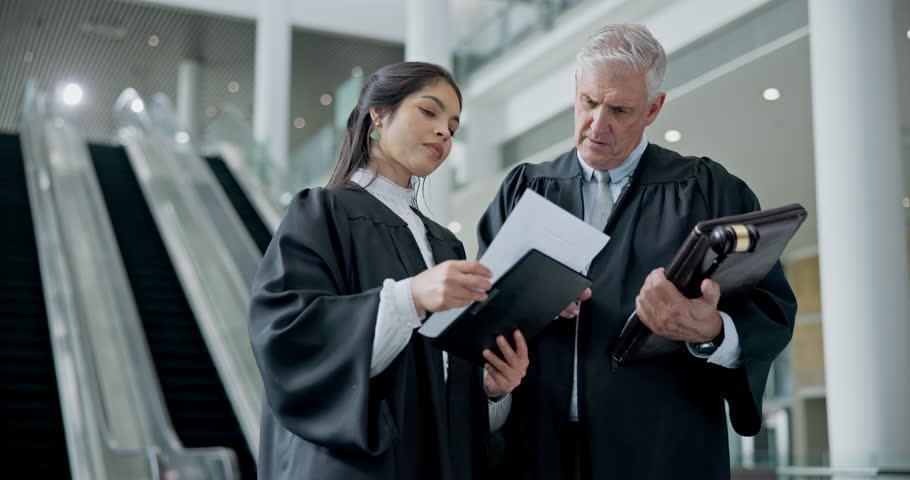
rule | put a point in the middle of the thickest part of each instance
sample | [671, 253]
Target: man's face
[611, 113]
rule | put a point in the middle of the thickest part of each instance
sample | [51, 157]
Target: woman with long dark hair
[351, 390]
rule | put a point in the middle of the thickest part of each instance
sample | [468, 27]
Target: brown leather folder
[736, 252]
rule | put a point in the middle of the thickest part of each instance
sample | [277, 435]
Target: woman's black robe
[312, 317]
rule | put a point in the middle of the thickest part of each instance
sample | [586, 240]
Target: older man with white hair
[577, 414]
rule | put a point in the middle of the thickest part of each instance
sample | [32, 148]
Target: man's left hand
[668, 313]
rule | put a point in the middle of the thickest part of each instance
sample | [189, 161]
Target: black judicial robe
[657, 419]
[312, 317]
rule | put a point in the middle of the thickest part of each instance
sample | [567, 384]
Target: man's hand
[572, 309]
[503, 375]
[663, 309]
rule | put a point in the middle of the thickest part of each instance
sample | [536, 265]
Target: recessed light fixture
[908, 33]
[356, 72]
[906, 202]
[211, 111]
[72, 94]
[299, 122]
[182, 137]
[325, 99]
[455, 226]
[672, 136]
[28, 57]
[154, 40]
[233, 86]
[136, 105]
[771, 94]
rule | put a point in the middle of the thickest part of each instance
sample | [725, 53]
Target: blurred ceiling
[106, 46]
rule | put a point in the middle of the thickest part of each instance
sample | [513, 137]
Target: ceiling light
[154, 40]
[28, 57]
[771, 94]
[908, 33]
[455, 226]
[182, 137]
[72, 94]
[672, 136]
[233, 86]
[104, 28]
[299, 122]
[211, 111]
[325, 99]
[356, 72]
[136, 105]
[906, 202]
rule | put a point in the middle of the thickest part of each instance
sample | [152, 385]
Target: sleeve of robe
[764, 318]
[312, 337]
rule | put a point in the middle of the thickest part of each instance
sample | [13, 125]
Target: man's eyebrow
[441, 105]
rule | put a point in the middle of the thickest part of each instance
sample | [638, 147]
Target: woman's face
[417, 137]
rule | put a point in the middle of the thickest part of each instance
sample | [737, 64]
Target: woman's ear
[376, 113]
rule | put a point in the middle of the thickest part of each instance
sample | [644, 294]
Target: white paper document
[535, 223]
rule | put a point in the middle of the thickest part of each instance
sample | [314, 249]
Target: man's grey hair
[626, 48]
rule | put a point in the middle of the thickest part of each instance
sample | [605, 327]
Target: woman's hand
[451, 284]
[504, 374]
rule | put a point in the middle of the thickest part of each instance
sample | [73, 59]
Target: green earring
[374, 134]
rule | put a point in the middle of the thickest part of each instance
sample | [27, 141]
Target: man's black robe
[312, 318]
[656, 419]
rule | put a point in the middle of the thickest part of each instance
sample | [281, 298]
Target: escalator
[196, 400]
[33, 440]
[245, 210]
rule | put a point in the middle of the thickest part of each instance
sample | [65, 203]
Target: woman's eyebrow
[441, 105]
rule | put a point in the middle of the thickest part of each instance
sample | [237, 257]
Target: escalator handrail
[89, 450]
[119, 328]
[215, 288]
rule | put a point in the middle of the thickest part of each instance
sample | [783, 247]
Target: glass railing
[230, 136]
[500, 26]
[312, 163]
[182, 199]
[199, 177]
[309, 165]
[798, 472]
[229, 126]
[96, 449]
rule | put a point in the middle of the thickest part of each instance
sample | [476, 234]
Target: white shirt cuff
[396, 319]
[727, 354]
[404, 302]
[499, 409]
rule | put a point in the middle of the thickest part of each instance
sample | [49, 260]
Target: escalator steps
[33, 443]
[198, 405]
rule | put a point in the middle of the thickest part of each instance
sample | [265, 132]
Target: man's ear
[655, 106]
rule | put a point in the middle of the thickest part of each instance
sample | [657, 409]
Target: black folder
[527, 297]
[736, 252]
